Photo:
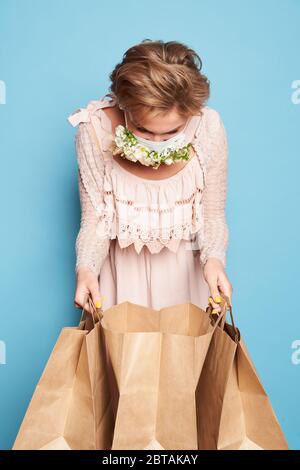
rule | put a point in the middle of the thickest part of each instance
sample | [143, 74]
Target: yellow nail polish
[210, 299]
[215, 311]
[217, 299]
[98, 304]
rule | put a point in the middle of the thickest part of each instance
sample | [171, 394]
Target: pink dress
[148, 240]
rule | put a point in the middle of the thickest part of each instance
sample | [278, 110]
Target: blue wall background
[55, 57]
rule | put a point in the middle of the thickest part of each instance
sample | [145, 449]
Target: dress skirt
[154, 280]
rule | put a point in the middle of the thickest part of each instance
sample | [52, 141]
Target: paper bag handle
[220, 316]
[95, 311]
[225, 305]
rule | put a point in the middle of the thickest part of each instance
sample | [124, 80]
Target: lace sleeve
[91, 249]
[216, 233]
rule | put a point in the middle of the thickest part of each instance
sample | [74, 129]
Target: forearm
[90, 250]
[216, 238]
[92, 244]
[216, 232]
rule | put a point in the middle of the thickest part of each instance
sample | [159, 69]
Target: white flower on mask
[140, 152]
[126, 145]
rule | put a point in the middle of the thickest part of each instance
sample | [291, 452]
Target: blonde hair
[156, 75]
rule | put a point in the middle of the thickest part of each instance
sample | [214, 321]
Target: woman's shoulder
[93, 109]
[93, 123]
[211, 117]
[211, 126]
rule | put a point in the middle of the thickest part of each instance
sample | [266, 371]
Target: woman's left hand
[217, 281]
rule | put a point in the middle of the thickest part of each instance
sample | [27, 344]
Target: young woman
[152, 175]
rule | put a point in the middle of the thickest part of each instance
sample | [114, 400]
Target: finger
[80, 300]
[95, 294]
[215, 297]
[226, 288]
[216, 307]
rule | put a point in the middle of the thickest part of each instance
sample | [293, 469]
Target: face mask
[177, 141]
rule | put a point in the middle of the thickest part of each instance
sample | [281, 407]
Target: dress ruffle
[154, 213]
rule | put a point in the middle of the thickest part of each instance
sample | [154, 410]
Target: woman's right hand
[86, 284]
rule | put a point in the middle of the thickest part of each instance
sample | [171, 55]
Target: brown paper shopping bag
[155, 359]
[233, 409]
[70, 408]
